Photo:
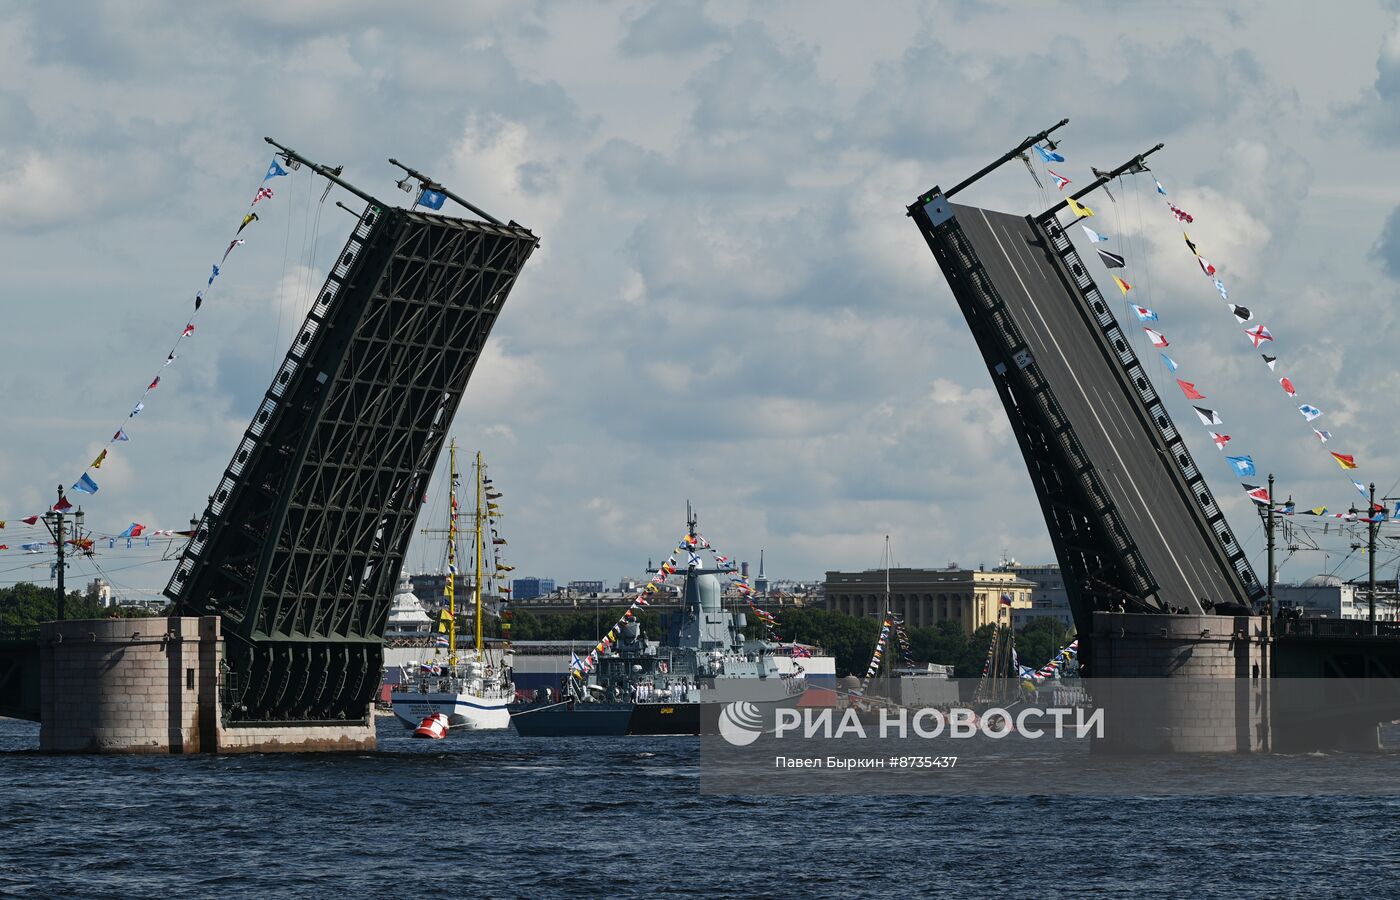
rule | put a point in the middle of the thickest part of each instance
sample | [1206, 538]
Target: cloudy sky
[729, 304]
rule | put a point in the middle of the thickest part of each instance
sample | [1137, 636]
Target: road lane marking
[1111, 445]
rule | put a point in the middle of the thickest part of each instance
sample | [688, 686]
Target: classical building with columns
[923, 597]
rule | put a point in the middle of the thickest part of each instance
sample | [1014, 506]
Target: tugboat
[642, 687]
[471, 688]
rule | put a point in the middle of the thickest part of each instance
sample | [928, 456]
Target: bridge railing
[315, 319]
[18, 634]
[1156, 410]
[1337, 628]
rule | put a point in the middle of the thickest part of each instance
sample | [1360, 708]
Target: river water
[491, 815]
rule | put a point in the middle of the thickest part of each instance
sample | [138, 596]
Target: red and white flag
[1220, 439]
[1158, 339]
[1288, 387]
[1258, 334]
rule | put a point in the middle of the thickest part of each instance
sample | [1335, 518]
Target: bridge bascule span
[1134, 525]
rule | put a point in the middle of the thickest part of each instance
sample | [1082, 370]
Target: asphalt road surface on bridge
[1109, 418]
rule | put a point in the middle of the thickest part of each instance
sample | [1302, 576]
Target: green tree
[849, 639]
[1040, 639]
[943, 643]
[28, 604]
[574, 626]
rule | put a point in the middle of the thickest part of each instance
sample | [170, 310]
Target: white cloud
[728, 304]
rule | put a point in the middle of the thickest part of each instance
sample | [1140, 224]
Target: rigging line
[304, 276]
[282, 287]
[127, 588]
[39, 564]
[311, 270]
[1258, 349]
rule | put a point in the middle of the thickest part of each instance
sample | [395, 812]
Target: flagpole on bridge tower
[1269, 530]
[1371, 527]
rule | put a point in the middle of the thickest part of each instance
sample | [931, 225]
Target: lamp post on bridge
[56, 522]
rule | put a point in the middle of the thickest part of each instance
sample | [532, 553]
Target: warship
[675, 686]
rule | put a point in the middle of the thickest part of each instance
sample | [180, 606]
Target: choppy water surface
[498, 815]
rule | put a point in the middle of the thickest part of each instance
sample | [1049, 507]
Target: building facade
[970, 598]
[530, 588]
[1327, 596]
[1049, 599]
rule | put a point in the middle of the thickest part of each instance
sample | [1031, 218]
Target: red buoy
[435, 727]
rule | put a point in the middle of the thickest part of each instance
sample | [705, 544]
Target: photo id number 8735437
[922, 762]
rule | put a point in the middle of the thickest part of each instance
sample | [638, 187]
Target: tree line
[849, 639]
[26, 604]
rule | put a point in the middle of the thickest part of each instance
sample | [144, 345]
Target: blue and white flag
[1309, 412]
[1360, 487]
[85, 485]
[136, 410]
[431, 199]
[214, 274]
[1094, 235]
[1169, 362]
[1161, 190]
[1145, 315]
[274, 170]
[1220, 286]
[1244, 465]
[1048, 155]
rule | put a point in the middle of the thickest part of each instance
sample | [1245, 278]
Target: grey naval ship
[676, 686]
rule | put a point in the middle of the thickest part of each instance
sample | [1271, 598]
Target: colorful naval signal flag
[1079, 208]
[1345, 460]
[1258, 334]
[1189, 390]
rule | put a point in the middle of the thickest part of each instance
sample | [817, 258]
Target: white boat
[471, 694]
[470, 686]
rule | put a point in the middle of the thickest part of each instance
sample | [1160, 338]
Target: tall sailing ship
[471, 686]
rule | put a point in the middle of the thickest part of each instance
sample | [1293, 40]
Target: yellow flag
[1122, 285]
[1079, 208]
[97, 463]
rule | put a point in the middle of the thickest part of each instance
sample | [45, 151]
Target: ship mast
[452, 551]
[476, 581]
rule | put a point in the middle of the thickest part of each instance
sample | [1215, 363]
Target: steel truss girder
[304, 536]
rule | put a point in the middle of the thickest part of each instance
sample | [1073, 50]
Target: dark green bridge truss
[302, 541]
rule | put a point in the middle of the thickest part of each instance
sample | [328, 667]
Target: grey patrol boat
[675, 686]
